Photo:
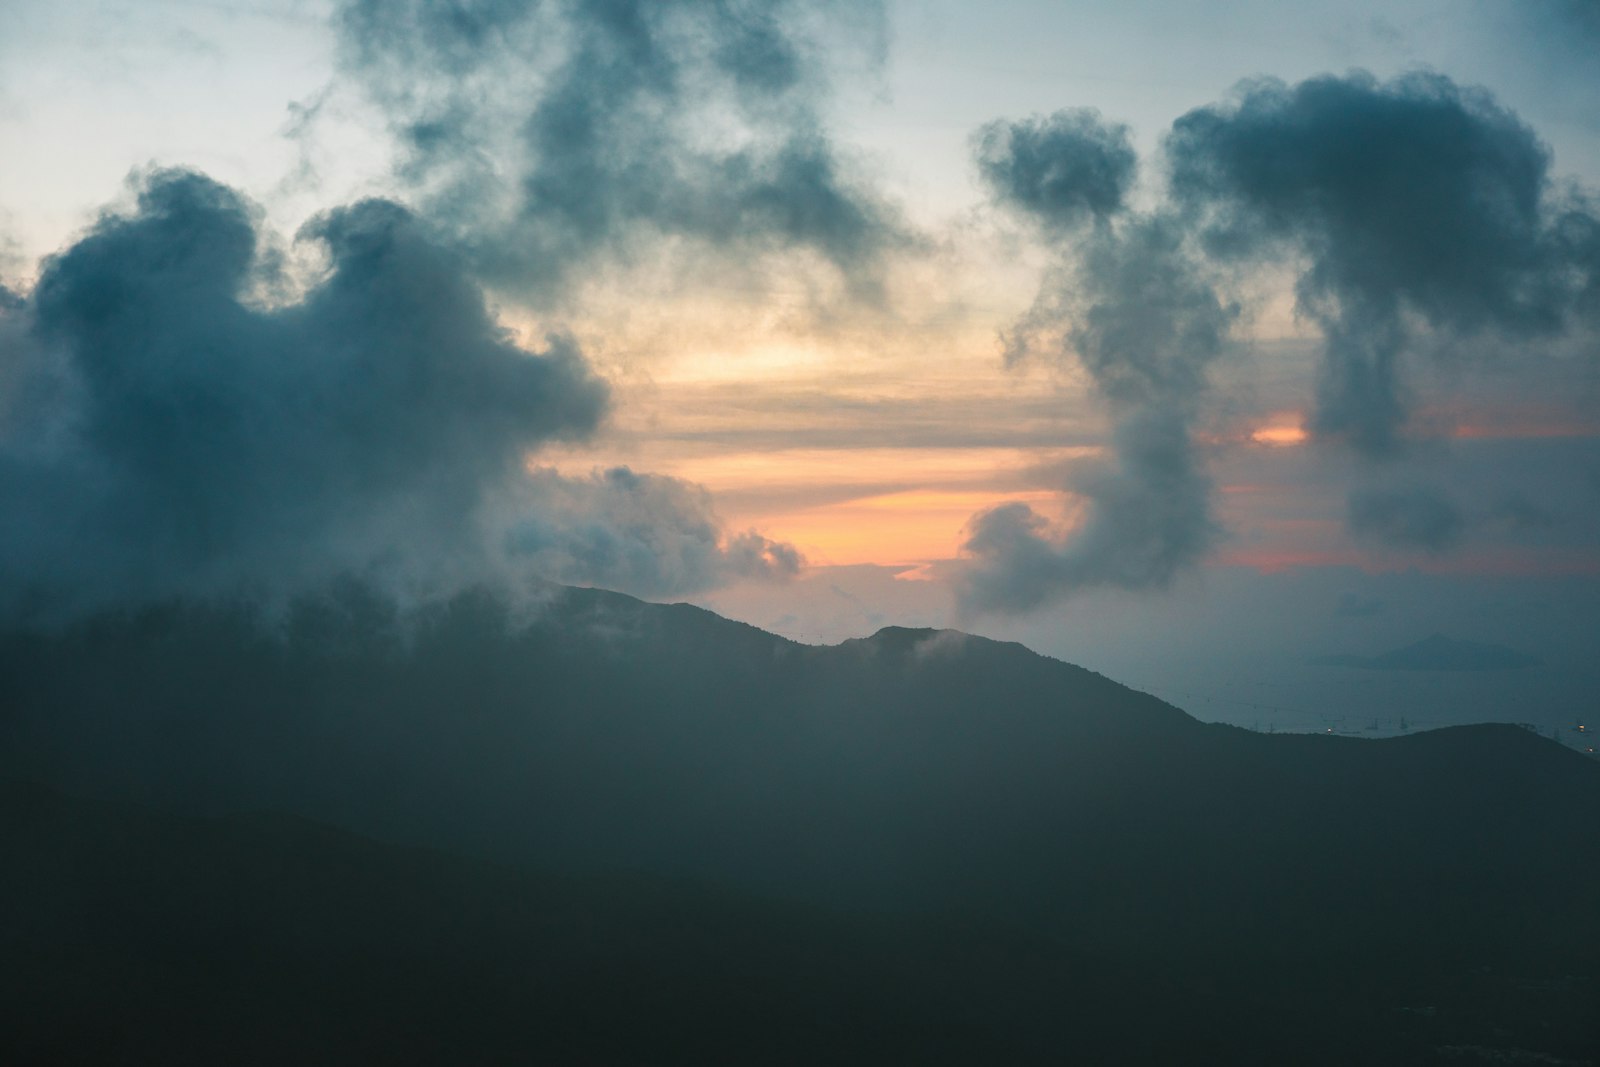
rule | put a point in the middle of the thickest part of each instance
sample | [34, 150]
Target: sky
[1186, 342]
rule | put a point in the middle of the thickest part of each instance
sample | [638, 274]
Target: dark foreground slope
[913, 772]
[132, 936]
[135, 937]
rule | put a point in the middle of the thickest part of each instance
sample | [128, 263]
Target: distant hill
[1438, 653]
[911, 774]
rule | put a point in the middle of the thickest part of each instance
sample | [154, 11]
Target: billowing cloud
[1129, 301]
[558, 136]
[645, 534]
[1412, 517]
[1422, 213]
[1412, 201]
[1145, 323]
[176, 425]
[1063, 169]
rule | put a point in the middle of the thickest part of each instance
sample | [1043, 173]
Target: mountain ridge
[665, 729]
[911, 773]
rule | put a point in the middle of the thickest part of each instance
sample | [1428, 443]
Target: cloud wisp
[558, 138]
[647, 534]
[176, 427]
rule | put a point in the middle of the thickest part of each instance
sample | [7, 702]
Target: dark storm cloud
[1412, 517]
[556, 136]
[1062, 169]
[1147, 326]
[641, 533]
[1414, 199]
[180, 436]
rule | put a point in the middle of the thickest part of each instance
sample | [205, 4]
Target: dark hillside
[136, 937]
[913, 772]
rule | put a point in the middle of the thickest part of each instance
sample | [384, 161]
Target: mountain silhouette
[912, 774]
[1437, 652]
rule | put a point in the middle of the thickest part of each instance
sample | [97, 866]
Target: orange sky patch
[895, 529]
[1281, 429]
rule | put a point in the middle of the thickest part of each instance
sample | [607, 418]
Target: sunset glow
[894, 529]
[1284, 430]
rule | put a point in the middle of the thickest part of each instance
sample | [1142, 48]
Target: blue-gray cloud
[1354, 605]
[1424, 212]
[189, 439]
[1518, 512]
[645, 534]
[1063, 169]
[1411, 198]
[1411, 517]
[555, 136]
[174, 425]
[1141, 317]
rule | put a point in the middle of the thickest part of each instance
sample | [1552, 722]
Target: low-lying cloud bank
[644, 533]
[180, 421]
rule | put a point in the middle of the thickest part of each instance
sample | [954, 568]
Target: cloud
[645, 534]
[559, 138]
[1062, 169]
[1148, 517]
[1145, 323]
[1413, 517]
[1414, 200]
[1422, 214]
[1356, 606]
[1429, 518]
[177, 426]
[1574, 18]
[1130, 303]
[1516, 512]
